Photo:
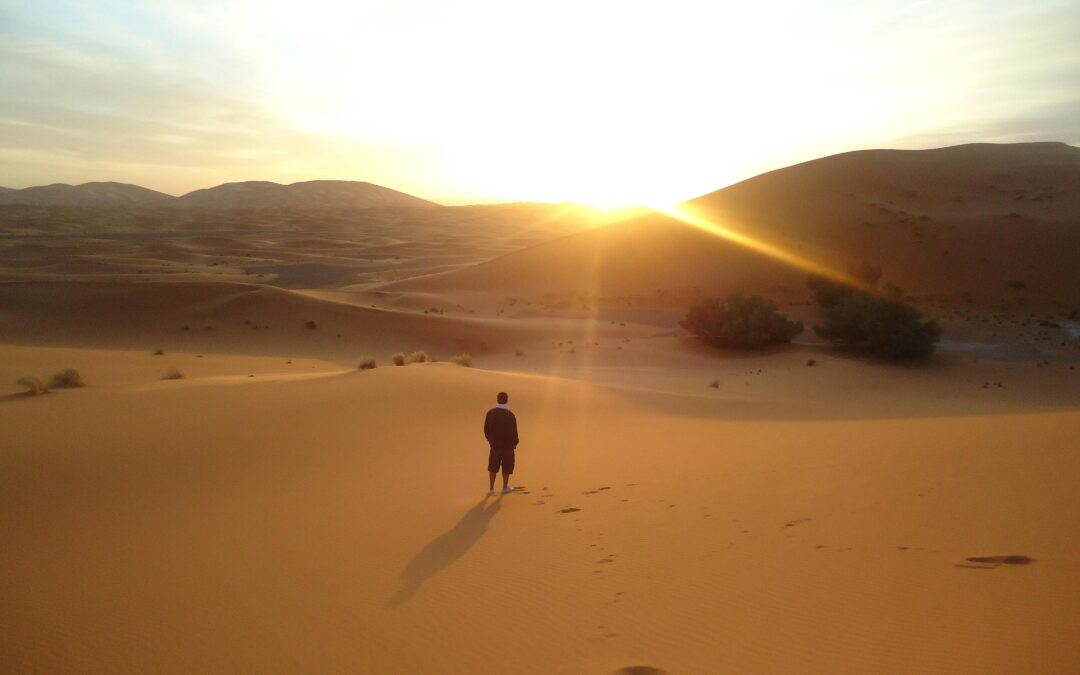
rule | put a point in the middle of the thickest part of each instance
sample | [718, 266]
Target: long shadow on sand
[444, 550]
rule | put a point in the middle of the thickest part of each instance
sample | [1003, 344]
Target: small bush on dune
[462, 360]
[873, 320]
[367, 363]
[399, 359]
[173, 373]
[159, 352]
[740, 321]
[67, 378]
[419, 356]
[32, 384]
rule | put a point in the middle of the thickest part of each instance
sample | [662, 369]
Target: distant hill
[87, 194]
[316, 193]
[249, 194]
[966, 221]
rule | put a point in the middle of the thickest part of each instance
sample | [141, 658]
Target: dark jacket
[500, 429]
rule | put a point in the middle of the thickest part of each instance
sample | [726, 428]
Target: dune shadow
[444, 550]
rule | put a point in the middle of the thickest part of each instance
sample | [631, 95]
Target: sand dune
[233, 317]
[680, 509]
[959, 222]
[87, 194]
[311, 194]
[337, 524]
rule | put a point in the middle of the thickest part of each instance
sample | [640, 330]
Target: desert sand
[677, 509]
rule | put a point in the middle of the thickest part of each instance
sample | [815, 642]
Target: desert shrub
[159, 352]
[398, 359]
[311, 324]
[878, 322]
[32, 384]
[68, 378]
[810, 363]
[173, 373]
[367, 363]
[740, 321]
[518, 352]
[419, 356]
[715, 384]
[462, 360]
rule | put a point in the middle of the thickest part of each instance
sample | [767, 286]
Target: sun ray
[695, 217]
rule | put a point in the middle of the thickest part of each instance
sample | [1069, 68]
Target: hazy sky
[480, 100]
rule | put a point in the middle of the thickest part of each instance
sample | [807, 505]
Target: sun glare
[694, 217]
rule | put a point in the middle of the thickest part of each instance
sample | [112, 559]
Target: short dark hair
[502, 397]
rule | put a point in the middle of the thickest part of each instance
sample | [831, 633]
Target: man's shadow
[444, 550]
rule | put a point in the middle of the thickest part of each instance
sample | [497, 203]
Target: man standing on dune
[500, 429]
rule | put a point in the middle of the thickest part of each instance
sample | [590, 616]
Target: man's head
[502, 397]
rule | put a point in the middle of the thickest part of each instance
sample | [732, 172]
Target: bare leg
[506, 479]
[491, 476]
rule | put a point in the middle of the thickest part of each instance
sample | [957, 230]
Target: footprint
[991, 561]
[639, 670]
[569, 509]
[608, 487]
[797, 521]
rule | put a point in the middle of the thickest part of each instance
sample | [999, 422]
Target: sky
[610, 103]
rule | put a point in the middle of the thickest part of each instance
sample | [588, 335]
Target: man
[500, 429]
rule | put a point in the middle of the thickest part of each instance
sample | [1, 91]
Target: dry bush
[32, 384]
[367, 363]
[159, 352]
[68, 378]
[173, 373]
[419, 356]
[462, 360]
[399, 359]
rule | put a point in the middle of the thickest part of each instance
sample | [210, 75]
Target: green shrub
[462, 360]
[875, 321]
[32, 384]
[419, 356]
[68, 378]
[367, 363]
[399, 359]
[740, 321]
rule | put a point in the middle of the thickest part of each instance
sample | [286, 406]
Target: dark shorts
[501, 457]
